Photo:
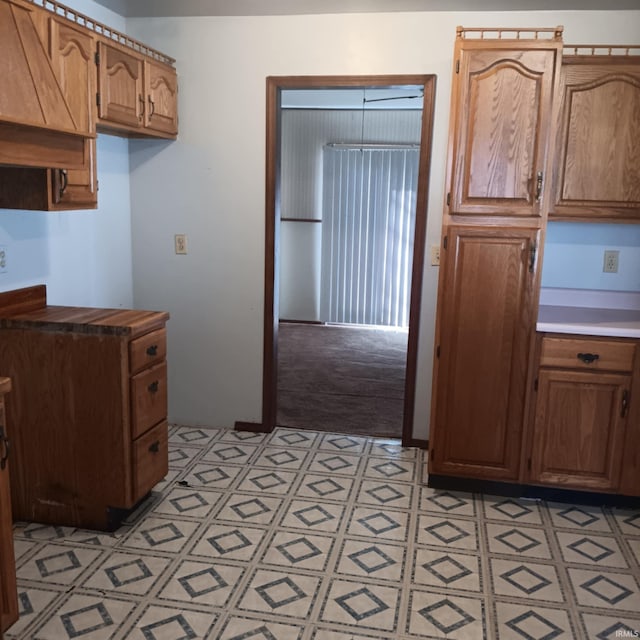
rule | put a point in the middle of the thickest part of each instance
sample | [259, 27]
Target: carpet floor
[342, 379]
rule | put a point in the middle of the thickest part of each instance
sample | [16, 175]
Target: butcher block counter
[88, 408]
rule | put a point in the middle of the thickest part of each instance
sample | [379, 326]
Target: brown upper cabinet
[597, 159]
[135, 96]
[501, 118]
[64, 80]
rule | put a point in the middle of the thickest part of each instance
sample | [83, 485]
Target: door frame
[275, 84]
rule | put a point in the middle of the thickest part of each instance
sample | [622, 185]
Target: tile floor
[318, 536]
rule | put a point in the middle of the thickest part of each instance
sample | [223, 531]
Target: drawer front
[150, 459]
[578, 353]
[147, 350]
[148, 399]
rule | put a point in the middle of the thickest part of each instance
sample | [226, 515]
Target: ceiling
[165, 8]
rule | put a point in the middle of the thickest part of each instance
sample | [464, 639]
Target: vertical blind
[368, 224]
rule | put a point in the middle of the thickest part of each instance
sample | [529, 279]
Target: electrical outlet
[435, 255]
[611, 261]
[181, 243]
[3, 259]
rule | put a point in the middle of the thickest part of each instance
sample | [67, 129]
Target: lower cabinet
[581, 412]
[8, 592]
[88, 416]
[485, 319]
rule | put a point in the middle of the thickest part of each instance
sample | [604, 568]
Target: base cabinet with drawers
[88, 417]
[582, 408]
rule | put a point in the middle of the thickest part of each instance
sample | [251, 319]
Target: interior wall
[210, 184]
[84, 257]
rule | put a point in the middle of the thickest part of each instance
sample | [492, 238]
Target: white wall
[84, 257]
[210, 183]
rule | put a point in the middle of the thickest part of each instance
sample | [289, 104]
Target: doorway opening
[401, 249]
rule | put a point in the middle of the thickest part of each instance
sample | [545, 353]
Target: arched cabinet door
[502, 119]
[598, 158]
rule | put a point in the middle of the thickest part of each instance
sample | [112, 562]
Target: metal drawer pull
[5, 442]
[625, 403]
[153, 387]
[152, 350]
[588, 358]
[154, 447]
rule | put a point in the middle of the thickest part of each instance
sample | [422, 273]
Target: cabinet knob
[153, 387]
[154, 447]
[152, 350]
[588, 358]
[4, 443]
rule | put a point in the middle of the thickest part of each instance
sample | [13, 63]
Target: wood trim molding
[274, 85]
[254, 427]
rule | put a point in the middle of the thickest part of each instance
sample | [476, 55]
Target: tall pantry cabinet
[498, 198]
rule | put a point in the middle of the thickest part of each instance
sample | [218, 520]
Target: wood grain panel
[8, 591]
[150, 460]
[161, 90]
[579, 430]
[120, 86]
[72, 438]
[611, 355]
[502, 114]
[598, 156]
[23, 300]
[486, 321]
[148, 398]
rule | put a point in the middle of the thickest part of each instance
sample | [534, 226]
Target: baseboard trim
[532, 492]
[255, 427]
[417, 442]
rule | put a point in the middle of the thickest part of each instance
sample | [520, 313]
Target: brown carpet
[341, 378]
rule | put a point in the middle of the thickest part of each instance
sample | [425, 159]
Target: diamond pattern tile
[303, 535]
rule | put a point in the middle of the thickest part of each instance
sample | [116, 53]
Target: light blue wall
[84, 257]
[574, 255]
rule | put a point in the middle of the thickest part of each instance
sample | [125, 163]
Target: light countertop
[584, 312]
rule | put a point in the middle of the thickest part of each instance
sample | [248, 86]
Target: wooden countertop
[27, 309]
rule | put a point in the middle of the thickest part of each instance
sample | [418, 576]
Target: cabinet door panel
[120, 87]
[579, 429]
[502, 122]
[486, 320]
[598, 156]
[161, 84]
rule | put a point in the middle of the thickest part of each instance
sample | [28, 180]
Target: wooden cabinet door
[8, 591]
[502, 118]
[161, 90]
[120, 87]
[72, 53]
[486, 315]
[579, 429]
[597, 157]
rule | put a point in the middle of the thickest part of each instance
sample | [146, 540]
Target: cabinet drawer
[150, 459]
[148, 399]
[579, 353]
[147, 350]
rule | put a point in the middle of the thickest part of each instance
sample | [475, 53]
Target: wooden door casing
[8, 590]
[503, 116]
[487, 315]
[579, 429]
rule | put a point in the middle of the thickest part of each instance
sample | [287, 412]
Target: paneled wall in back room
[84, 257]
